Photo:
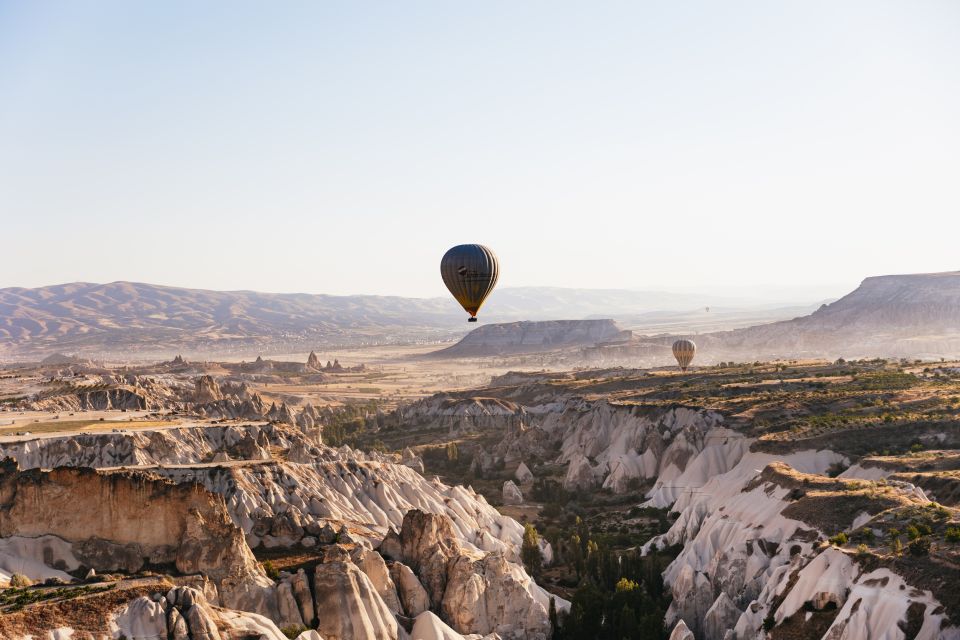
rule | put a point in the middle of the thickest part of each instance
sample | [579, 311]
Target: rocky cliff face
[279, 503]
[474, 593]
[177, 511]
[120, 521]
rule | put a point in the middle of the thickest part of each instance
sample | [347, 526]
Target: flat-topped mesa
[912, 315]
[530, 337]
[897, 302]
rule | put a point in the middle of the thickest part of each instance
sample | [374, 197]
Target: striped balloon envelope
[470, 272]
[683, 351]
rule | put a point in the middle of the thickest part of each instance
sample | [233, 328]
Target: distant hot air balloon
[683, 351]
[470, 272]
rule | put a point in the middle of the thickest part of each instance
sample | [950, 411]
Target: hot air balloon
[470, 272]
[683, 351]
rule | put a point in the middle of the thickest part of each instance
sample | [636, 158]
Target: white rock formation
[475, 593]
[413, 597]
[143, 619]
[581, 475]
[512, 493]
[281, 503]
[742, 557]
[372, 564]
[681, 632]
[523, 474]
[348, 605]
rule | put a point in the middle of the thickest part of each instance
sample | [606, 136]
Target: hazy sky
[341, 147]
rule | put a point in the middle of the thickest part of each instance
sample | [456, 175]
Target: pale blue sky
[341, 147]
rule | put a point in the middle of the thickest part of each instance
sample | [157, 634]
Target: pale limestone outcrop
[288, 611]
[270, 501]
[206, 390]
[201, 622]
[102, 515]
[427, 544]
[512, 493]
[428, 626]
[720, 618]
[142, 618]
[302, 594]
[681, 632]
[348, 605]
[523, 474]
[581, 475]
[491, 594]
[413, 597]
[474, 593]
[177, 625]
[372, 564]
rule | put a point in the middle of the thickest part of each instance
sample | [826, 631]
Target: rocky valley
[781, 500]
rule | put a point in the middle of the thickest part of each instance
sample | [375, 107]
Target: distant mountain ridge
[80, 315]
[895, 315]
[912, 315]
[137, 318]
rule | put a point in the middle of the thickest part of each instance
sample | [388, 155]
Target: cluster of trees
[347, 425]
[620, 593]
[447, 458]
[621, 596]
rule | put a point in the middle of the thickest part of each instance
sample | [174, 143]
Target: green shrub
[920, 547]
[839, 540]
[20, 580]
[271, 570]
[953, 534]
[293, 630]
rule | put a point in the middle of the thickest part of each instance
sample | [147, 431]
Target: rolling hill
[132, 318]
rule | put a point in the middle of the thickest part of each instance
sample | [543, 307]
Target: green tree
[271, 570]
[530, 552]
[628, 627]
